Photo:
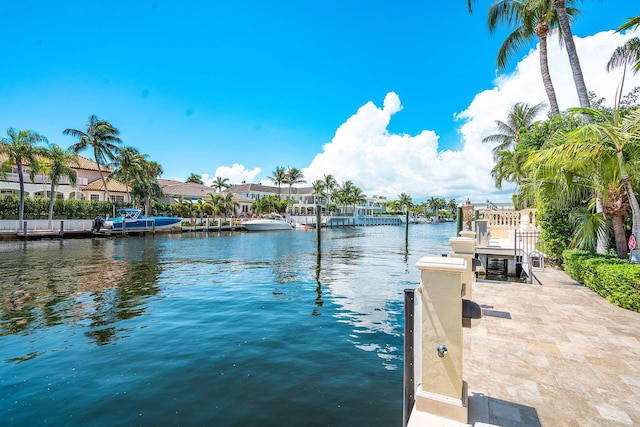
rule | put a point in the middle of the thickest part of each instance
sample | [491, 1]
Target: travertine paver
[555, 354]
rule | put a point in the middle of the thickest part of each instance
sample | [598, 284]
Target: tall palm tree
[220, 183]
[20, 147]
[519, 118]
[102, 137]
[278, 177]
[572, 53]
[60, 164]
[567, 36]
[127, 165]
[530, 18]
[293, 176]
[623, 56]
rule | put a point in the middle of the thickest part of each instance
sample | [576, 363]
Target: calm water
[234, 329]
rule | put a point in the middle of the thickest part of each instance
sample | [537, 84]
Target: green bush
[38, 208]
[613, 278]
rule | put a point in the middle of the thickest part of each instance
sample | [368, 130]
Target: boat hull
[159, 224]
[266, 225]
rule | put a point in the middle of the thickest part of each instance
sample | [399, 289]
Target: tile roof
[82, 163]
[113, 186]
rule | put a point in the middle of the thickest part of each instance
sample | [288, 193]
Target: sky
[395, 96]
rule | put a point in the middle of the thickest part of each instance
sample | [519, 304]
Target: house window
[95, 197]
[117, 198]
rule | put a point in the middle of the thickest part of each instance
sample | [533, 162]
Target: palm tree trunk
[567, 36]
[635, 209]
[21, 179]
[546, 76]
[620, 238]
[53, 187]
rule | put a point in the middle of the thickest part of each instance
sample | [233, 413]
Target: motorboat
[134, 220]
[267, 223]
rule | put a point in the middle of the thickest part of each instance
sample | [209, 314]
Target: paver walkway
[555, 354]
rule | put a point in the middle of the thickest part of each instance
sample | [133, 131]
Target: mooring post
[61, 233]
[24, 229]
[318, 227]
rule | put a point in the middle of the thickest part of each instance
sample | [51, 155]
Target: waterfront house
[88, 184]
[191, 192]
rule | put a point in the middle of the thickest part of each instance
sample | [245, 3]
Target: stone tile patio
[555, 354]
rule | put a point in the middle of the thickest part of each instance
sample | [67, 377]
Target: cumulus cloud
[236, 174]
[379, 162]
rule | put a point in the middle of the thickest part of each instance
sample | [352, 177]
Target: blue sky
[202, 85]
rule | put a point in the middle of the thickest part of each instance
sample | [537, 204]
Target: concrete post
[465, 247]
[442, 392]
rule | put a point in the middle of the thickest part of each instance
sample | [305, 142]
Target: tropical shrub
[38, 208]
[616, 280]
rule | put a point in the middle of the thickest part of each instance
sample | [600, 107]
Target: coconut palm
[194, 178]
[60, 163]
[146, 186]
[102, 137]
[293, 176]
[220, 183]
[609, 141]
[20, 148]
[228, 205]
[626, 55]
[632, 23]
[214, 203]
[519, 118]
[572, 53]
[567, 36]
[127, 165]
[318, 190]
[278, 176]
[531, 18]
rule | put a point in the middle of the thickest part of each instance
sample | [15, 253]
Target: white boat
[267, 223]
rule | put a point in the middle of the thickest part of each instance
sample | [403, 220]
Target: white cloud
[382, 163]
[236, 174]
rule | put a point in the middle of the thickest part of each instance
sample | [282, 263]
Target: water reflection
[92, 284]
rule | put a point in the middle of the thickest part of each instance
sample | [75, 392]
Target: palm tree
[146, 185]
[293, 176]
[627, 54]
[127, 165]
[609, 141]
[219, 183]
[633, 22]
[574, 61]
[228, 205]
[531, 18]
[214, 203]
[278, 176]
[318, 190]
[567, 36]
[103, 138]
[194, 178]
[60, 163]
[519, 118]
[20, 148]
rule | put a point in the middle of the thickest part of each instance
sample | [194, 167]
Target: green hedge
[38, 208]
[613, 278]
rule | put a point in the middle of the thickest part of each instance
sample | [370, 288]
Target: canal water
[230, 329]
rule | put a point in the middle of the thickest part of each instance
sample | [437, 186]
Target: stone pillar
[442, 391]
[465, 247]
